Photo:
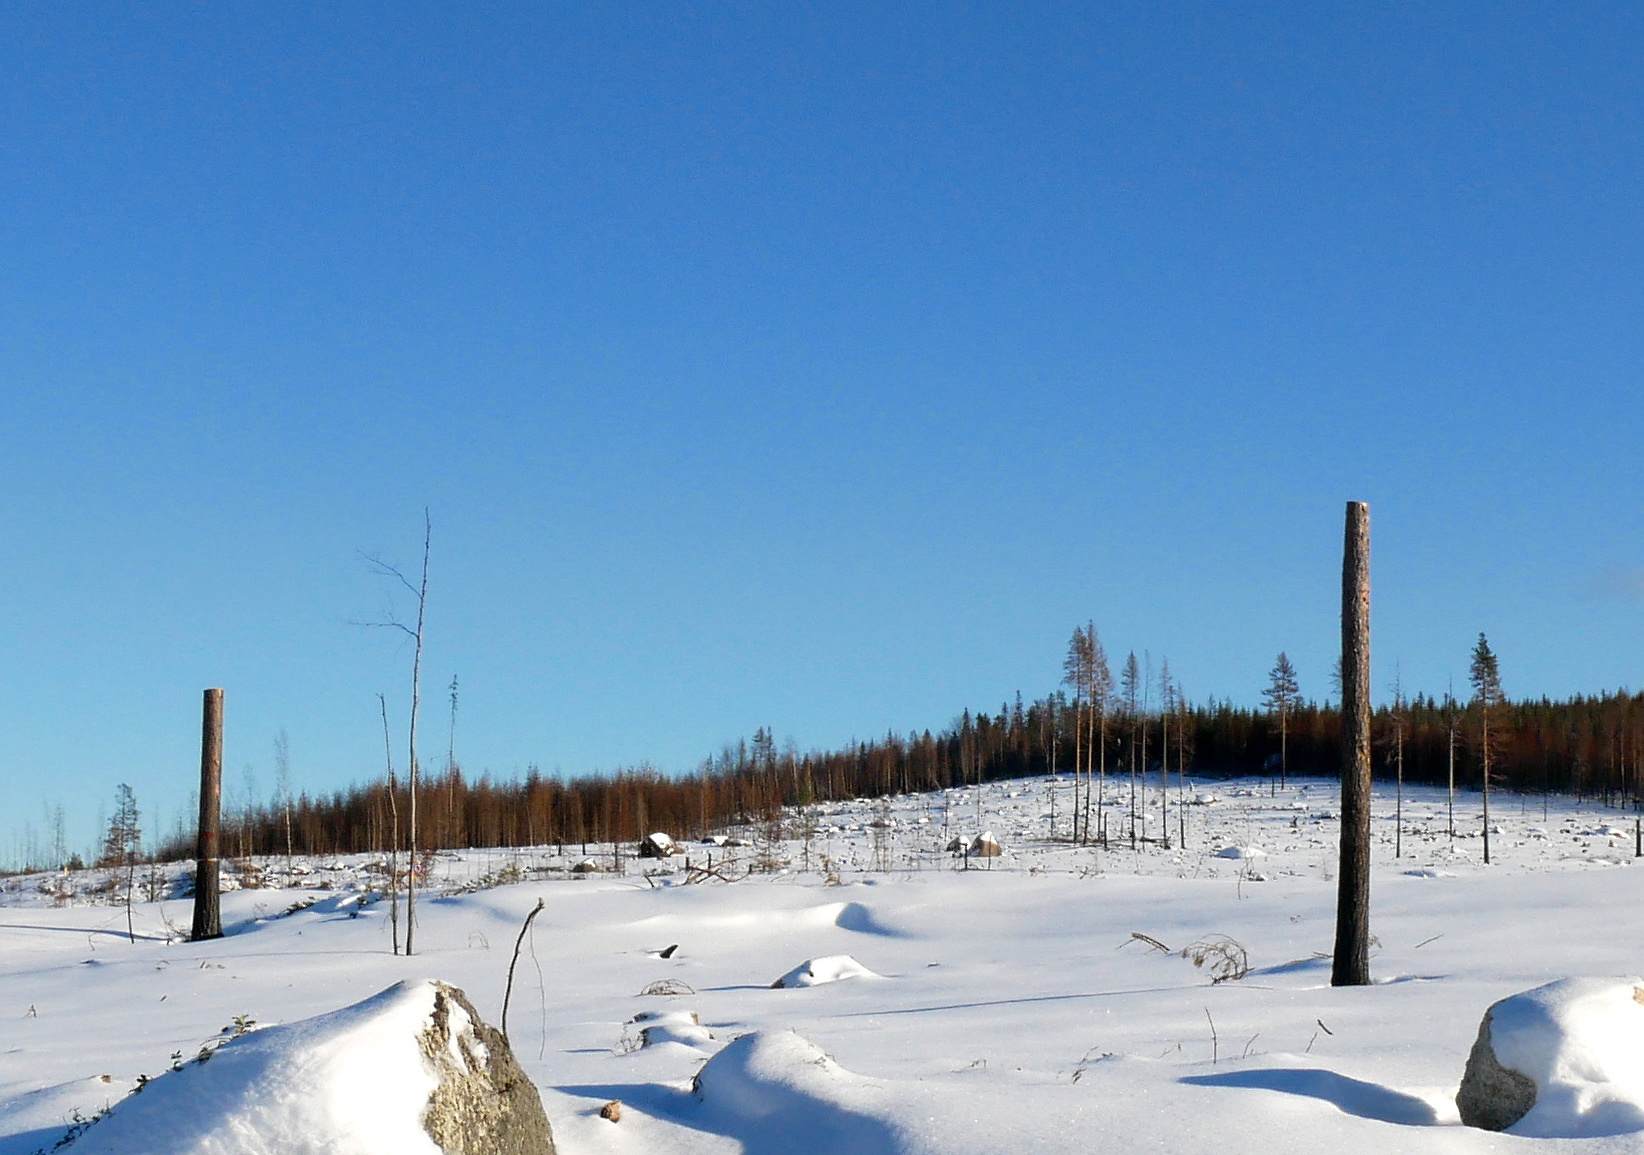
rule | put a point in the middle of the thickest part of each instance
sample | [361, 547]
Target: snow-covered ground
[1002, 1007]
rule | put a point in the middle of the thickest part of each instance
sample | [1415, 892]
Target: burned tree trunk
[208, 918]
[1351, 966]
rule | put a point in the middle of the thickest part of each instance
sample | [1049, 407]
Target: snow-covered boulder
[1241, 852]
[985, 845]
[658, 845]
[829, 969]
[1565, 1059]
[410, 1070]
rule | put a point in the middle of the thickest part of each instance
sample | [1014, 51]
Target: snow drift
[778, 1089]
[828, 969]
[1562, 1060]
[386, 1076]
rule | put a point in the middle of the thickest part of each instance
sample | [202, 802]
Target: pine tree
[1279, 697]
[1130, 685]
[123, 843]
[1485, 674]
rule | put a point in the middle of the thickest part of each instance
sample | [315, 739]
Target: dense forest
[1589, 746]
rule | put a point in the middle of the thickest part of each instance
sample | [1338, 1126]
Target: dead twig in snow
[1146, 939]
[508, 992]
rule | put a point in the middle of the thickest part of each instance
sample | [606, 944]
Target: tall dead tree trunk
[208, 917]
[411, 771]
[393, 828]
[1351, 965]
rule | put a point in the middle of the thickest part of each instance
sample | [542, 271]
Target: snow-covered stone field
[1004, 1007]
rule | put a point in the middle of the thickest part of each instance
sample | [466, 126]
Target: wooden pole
[208, 917]
[1351, 965]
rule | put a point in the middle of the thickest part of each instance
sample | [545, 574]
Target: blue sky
[818, 367]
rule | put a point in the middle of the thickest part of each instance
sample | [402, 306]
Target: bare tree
[1450, 720]
[282, 787]
[1076, 673]
[1350, 965]
[1398, 762]
[1183, 742]
[1085, 669]
[208, 920]
[451, 767]
[1167, 706]
[1100, 692]
[420, 592]
[393, 828]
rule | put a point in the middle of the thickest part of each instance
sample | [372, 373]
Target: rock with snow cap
[1563, 1060]
[658, 845]
[985, 845]
[412, 1070]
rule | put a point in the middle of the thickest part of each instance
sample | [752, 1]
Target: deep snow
[1016, 1011]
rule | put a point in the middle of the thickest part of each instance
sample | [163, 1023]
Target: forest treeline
[1587, 746]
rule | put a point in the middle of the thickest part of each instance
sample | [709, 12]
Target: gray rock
[485, 1104]
[1492, 1096]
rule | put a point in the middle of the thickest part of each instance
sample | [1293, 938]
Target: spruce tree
[1485, 674]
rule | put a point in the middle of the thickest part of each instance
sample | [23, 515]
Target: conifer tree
[122, 844]
[1130, 685]
[1485, 674]
[1279, 697]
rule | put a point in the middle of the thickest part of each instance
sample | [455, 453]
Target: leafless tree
[393, 828]
[1398, 763]
[420, 592]
[282, 786]
[1100, 693]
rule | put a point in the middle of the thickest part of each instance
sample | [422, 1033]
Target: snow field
[1015, 1009]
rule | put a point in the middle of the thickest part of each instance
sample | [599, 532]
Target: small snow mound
[1241, 852]
[817, 971]
[1428, 872]
[796, 1097]
[682, 1027]
[1573, 1050]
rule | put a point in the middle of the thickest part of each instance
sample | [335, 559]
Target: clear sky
[810, 366]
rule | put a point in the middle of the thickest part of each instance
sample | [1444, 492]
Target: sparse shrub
[668, 987]
[1223, 958]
